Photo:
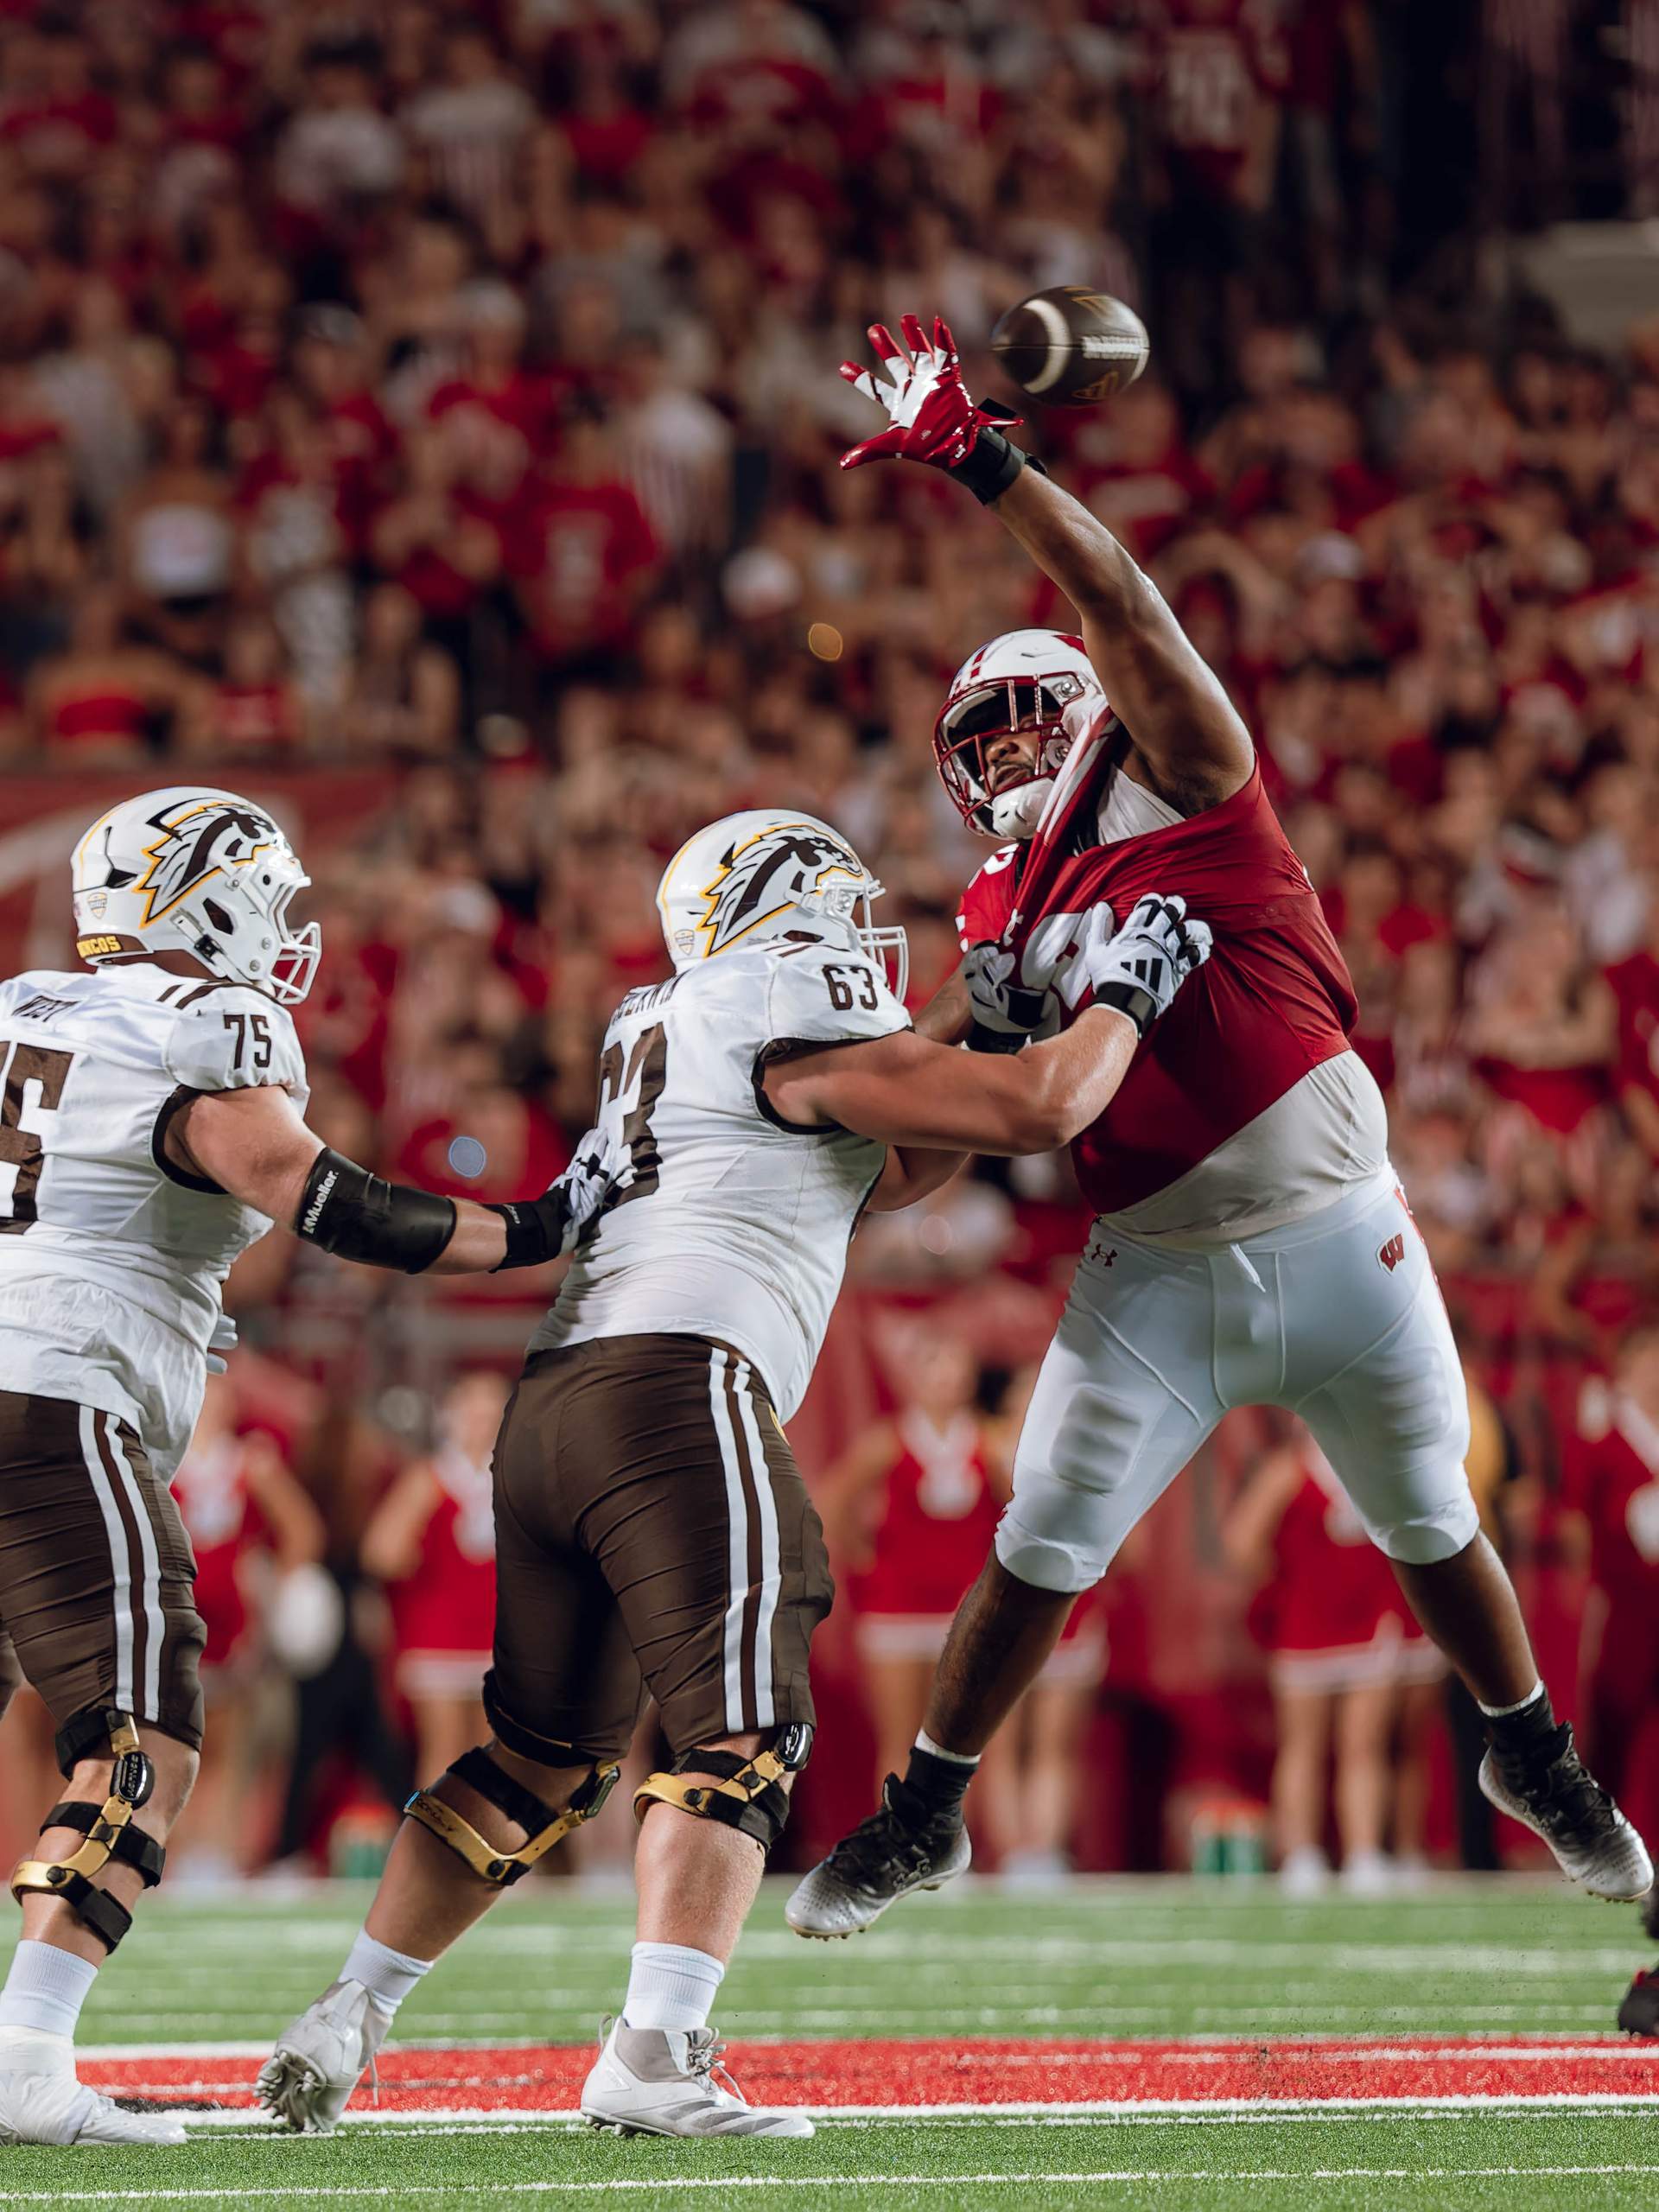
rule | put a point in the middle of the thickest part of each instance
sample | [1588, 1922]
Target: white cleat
[1557, 1798]
[41, 2101]
[665, 2081]
[307, 2081]
[884, 1858]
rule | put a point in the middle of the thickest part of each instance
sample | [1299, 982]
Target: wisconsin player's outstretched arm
[254, 1144]
[1193, 747]
[1189, 745]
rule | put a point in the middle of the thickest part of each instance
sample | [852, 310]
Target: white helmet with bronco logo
[191, 869]
[761, 874]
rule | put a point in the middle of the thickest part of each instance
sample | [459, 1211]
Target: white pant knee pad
[1429, 1538]
[1046, 1559]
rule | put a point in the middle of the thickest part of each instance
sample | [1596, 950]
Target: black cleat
[883, 1859]
[1639, 2014]
[1551, 1791]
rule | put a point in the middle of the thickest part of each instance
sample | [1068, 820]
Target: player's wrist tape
[992, 465]
[536, 1230]
[357, 1216]
[1128, 998]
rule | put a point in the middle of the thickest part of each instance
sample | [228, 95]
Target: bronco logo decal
[776, 868]
[199, 842]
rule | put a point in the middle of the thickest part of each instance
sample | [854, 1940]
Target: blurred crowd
[433, 412]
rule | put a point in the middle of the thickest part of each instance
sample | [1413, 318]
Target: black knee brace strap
[749, 1795]
[107, 1828]
[543, 1827]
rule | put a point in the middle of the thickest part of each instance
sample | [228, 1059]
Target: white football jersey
[726, 1221]
[111, 1259]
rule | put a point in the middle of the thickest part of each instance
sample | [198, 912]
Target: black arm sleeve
[358, 1216]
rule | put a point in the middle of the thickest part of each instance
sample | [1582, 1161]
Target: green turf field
[206, 1980]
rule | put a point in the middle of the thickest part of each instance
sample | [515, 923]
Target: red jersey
[449, 1603]
[576, 555]
[1273, 1001]
[1617, 1491]
[1635, 987]
[1216, 66]
[211, 1486]
[1332, 1589]
[941, 1515]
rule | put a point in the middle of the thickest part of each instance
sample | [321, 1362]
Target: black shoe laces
[884, 1848]
[1559, 1790]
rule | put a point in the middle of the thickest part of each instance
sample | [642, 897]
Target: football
[1070, 346]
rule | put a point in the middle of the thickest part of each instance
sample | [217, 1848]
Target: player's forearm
[1034, 1101]
[479, 1243]
[1171, 704]
[1076, 551]
[1074, 1076]
[949, 1015]
[913, 1172]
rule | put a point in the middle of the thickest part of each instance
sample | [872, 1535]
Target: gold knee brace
[110, 1834]
[543, 1827]
[748, 1794]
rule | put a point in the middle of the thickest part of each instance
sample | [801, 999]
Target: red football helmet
[1022, 682]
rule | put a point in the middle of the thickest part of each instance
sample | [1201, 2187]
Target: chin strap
[110, 1834]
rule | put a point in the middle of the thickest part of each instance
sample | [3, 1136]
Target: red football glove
[934, 420]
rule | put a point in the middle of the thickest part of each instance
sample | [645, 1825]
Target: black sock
[933, 1787]
[1532, 1731]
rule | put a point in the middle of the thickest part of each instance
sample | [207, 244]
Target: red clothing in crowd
[443, 1615]
[1216, 60]
[224, 1524]
[940, 1516]
[1616, 1486]
[576, 554]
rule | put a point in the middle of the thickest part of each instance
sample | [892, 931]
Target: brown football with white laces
[1070, 346]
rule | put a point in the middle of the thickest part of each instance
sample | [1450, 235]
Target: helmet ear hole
[217, 915]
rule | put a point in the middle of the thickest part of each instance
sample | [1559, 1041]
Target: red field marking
[994, 2070]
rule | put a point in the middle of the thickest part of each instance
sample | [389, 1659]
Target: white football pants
[1338, 1317]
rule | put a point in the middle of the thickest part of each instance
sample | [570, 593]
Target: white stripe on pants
[97, 1431]
[154, 1619]
[742, 1519]
[120, 1558]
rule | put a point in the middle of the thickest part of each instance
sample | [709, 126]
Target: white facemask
[1016, 813]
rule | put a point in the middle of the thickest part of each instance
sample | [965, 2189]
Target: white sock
[45, 1989]
[925, 1742]
[1502, 1712]
[670, 1986]
[388, 1975]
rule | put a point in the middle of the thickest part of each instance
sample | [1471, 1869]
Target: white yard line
[1215, 2050]
[660, 2184]
[903, 1952]
[450, 2118]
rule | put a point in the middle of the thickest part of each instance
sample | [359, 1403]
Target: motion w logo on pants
[1392, 1253]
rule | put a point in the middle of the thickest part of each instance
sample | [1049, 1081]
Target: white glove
[1139, 970]
[1005, 1012]
[585, 1185]
[547, 1228]
[223, 1339]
